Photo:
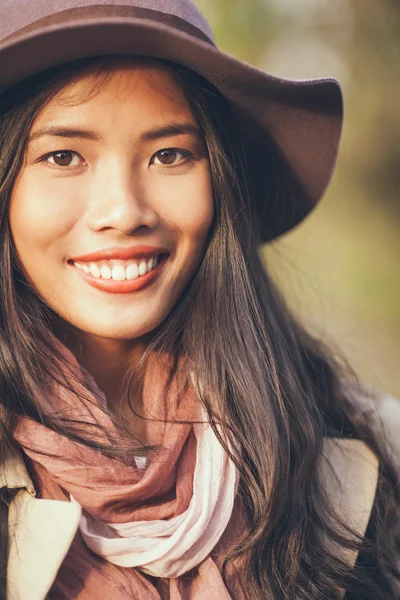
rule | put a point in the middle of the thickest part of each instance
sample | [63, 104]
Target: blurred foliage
[339, 269]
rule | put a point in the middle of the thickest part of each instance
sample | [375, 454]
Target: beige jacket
[41, 531]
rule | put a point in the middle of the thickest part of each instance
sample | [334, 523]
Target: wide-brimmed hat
[301, 120]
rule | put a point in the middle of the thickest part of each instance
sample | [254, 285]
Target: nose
[119, 200]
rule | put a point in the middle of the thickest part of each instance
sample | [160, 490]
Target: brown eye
[62, 158]
[168, 156]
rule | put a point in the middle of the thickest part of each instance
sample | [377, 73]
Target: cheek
[38, 215]
[187, 206]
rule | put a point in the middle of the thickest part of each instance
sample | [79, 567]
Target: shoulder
[13, 472]
[349, 475]
[382, 411]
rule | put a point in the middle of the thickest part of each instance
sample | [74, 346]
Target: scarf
[155, 526]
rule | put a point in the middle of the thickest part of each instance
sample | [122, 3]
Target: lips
[118, 252]
[122, 287]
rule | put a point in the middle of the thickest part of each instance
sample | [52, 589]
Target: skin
[112, 192]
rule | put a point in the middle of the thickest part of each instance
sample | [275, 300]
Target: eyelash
[185, 153]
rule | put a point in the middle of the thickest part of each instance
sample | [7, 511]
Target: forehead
[143, 86]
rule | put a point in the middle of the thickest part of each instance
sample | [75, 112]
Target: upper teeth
[118, 270]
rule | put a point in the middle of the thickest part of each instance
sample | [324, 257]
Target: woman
[168, 429]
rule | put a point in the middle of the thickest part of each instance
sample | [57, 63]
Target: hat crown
[16, 14]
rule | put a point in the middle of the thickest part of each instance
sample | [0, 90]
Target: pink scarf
[124, 496]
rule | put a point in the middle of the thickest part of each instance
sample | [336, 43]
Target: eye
[170, 156]
[63, 158]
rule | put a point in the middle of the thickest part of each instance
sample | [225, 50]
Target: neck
[109, 361]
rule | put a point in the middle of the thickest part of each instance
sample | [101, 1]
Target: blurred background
[339, 269]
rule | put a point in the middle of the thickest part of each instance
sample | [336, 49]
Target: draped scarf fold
[153, 527]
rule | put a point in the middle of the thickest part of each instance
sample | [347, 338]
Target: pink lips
[117, 252]
[126, 286]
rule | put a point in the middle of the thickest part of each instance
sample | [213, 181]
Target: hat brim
[302, 118]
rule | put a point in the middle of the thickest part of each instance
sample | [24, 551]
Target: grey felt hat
[300, 120]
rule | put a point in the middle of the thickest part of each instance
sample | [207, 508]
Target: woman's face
[134, 173]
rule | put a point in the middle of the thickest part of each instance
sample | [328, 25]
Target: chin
[120, 330]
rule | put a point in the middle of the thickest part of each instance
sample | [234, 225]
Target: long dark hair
[276, 390]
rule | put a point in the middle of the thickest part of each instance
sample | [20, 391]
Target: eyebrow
[150, 135]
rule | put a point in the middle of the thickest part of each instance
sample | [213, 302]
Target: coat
[41, 531]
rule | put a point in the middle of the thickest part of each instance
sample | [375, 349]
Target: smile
[118, 270]
[121, 276]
